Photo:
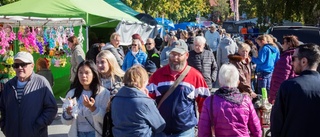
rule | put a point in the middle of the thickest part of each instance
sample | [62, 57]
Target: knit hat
[150, 66]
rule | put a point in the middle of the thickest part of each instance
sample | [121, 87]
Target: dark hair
[293, 40]
[73, 40]
[94, 85]
[311, 52]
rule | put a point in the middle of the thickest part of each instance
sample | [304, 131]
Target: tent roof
[123, 7]
[94, 12]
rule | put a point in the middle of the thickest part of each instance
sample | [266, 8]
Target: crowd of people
[165, 88]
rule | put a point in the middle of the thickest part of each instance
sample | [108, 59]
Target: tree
[4, 2]
[177, 10]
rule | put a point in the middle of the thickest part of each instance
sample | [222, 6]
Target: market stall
[42, 27]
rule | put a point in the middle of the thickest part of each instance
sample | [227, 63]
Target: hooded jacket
[282, 71]
[30, 117]
[114, 51]
[227, 46]
[134, 114]
[267, 57]
[229, 119]
[130, 59]
[244, 68]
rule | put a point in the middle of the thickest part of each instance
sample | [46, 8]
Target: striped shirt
[20, 89]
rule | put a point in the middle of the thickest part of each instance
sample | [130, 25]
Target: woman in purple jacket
[229, 112]
[283, 69]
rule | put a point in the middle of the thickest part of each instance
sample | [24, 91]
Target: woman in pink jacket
[231, 113]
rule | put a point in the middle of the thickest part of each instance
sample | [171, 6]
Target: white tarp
[127, 29]
[17, 21]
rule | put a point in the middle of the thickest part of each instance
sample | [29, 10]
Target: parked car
[305, 34]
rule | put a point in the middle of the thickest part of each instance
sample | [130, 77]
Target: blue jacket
[130, 60]
[134, 114]
[267, 58]
[35, 112]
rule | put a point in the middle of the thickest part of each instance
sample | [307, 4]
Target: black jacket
[30, 117]
[296, 110]
[154, 56]
[205, 63]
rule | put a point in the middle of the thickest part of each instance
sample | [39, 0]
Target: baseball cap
[25, 57]
[180, 49]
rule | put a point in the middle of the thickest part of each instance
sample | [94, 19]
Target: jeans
[264, 80]
[86, 134]
[187, 133]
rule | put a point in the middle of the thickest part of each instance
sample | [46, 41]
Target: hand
[89, 103]
[69, 109]
[253, 95]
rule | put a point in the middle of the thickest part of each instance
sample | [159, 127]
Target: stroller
[263, 109]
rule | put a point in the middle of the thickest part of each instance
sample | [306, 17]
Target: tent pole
[87, 37]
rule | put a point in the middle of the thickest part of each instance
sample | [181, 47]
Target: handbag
[107, 121]
[211, 115]
[175, 84]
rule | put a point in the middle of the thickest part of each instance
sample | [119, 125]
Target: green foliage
[4, 2]
[176, 10]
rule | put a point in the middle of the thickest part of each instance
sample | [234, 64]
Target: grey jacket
[35, 112]
[77, 57]
[204, 62]
[115, 52]
[227, 46]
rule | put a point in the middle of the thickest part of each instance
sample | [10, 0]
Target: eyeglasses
[175, 54]
[134, 45]
[17, 65]
[148, 43]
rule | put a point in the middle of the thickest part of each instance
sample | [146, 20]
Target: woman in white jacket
[91, 100]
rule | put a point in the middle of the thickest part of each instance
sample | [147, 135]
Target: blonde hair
[267, 38]
[114, 68]
[270, 40]
[244, 46]
[184, 34]
[139, 43]
[114, 35]
[136, 76]
[73, 40]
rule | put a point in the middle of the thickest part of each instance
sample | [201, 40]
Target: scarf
[230, 94]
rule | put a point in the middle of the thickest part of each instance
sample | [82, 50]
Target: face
[85, 76]
[296, 62]
[150, 44]
[135, 46]
[286, 44]
[103, 65]
[198, 46]
[177, 61]
[23, 70]
[116, 41]
[259, 43]
[244, 53]
[70, 44]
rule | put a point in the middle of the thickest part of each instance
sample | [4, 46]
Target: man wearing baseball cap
[27, 103]
[173, 106]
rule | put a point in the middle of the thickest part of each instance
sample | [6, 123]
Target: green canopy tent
[123, 7]
[89, 13]
[95, 13]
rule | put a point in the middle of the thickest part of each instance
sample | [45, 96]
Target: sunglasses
[134, 45]
[18, 65]
[148, 43]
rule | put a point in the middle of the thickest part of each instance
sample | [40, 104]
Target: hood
[227, 41]
[235, 57]
[107, 46]
[272, 48]
[130, 92]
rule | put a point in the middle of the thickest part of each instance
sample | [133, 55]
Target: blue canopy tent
[166, 23]
[184, 25]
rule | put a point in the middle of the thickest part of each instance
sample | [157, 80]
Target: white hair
[228, 76]
[200, 39]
